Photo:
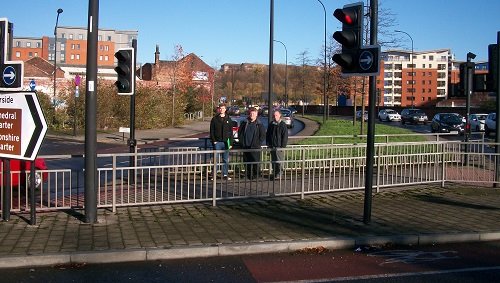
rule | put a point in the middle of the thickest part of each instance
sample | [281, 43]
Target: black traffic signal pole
[6, 161]
[469, 76]
[90, 115]
[370, 141]
[497, 128]
[132, 142]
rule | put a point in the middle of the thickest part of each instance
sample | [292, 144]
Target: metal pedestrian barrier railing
[191, 174]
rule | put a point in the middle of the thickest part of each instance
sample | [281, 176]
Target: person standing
[251, 135]
[221, 136]
[276, 139]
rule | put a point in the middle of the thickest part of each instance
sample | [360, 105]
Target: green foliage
[338, 127]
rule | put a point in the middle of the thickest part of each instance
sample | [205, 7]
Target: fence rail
[190, 174]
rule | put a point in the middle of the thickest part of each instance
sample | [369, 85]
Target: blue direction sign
[12, 76]
[369, 60]
[9, 75]
[32, 85]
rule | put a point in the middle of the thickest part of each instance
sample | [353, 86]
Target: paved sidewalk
[415, 215]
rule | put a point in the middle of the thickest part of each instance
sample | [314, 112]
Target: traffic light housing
[492, 77]
[351, 37]
[125, 70]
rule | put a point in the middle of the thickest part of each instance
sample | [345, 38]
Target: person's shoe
[226, 177]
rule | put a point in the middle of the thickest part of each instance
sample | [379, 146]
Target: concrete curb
[114, 256]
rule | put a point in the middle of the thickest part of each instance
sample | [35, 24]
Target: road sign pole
[90, 115]
[370, 140]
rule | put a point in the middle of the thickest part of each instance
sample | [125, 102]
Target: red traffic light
[348, 16]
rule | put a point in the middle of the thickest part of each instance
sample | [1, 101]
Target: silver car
[490, 124]
[477, 121]
[388, 115]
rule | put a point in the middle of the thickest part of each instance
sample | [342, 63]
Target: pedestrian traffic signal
[351, 37]
[125, 71]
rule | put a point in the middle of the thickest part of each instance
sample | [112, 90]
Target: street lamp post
[59, 11]
[325, 106]
[286, 72]
[412, 66]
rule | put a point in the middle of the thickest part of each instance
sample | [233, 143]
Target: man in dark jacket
[251, 135]
[277, 138]
[221, 135]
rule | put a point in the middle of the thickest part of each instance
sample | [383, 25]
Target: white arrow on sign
[22, 125]
[10, 75]
[366, 60]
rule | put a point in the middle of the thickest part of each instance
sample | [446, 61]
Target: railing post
[377, 159]
[214, 178]
[114, 184]
[443, 169]
[303, 172]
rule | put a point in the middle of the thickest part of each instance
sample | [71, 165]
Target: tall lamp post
[325, 106]
[412, 66]
[286, 72]
[59, 11]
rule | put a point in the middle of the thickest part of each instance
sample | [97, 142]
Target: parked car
[388, 115]
[476, 121]
[413, 116]
[233, 111]
[287, 117]
[490, 124]
[20, 170]
[365, 116]
[447, 123]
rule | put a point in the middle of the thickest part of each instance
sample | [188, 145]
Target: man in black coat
[252, 134]
[221, 135]
[276, 139]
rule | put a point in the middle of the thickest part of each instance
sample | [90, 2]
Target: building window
[100, 57]
[62, 57]
[62, 46]
[109, 37]
[38, 45]
[101, 47]
[18, 43]
[430, 66]
[441, 66]
[28, 44]
[423, 90]
[36, 54]
[30, 54]
[70, 36]
[18, 54]
[106, 47]
[431, 57]
[80, 36]
[77, 56]
[106, 58]
[72, 57]
[99, 38]
[63, 35]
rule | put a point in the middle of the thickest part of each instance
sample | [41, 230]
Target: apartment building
[414, 79]
[70, 49]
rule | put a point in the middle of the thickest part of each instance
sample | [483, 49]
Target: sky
[237, 31]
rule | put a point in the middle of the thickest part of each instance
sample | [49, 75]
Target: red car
[20, 171]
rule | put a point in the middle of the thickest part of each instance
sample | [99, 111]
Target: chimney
[157, 55]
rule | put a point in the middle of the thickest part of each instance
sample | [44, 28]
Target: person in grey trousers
[276, 139]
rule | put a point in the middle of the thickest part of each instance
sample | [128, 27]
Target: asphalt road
[457, 263]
